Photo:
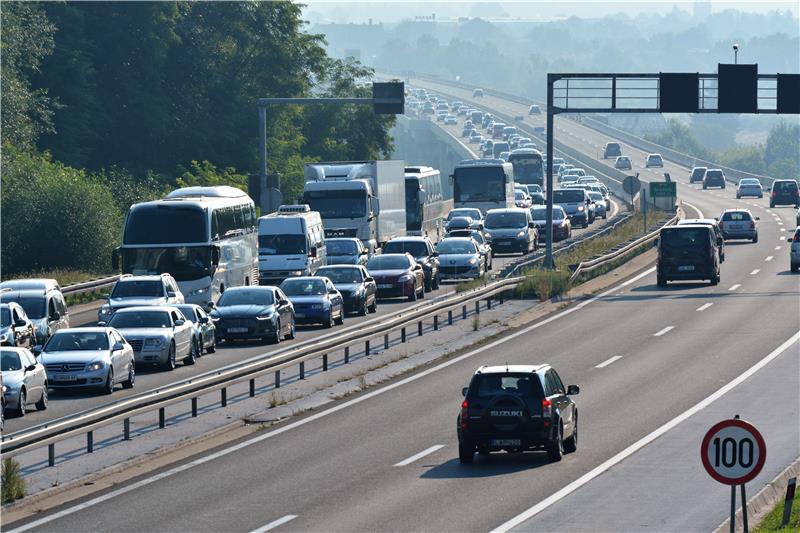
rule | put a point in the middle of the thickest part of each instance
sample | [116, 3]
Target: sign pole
[733, 509]
[744, 509]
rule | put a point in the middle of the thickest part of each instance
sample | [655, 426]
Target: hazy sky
[361, 10]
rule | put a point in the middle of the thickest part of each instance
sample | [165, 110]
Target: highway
[387, 460]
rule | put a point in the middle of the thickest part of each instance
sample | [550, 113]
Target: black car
[253, 313]
[612, 150]
[687, 252]
[784, 192]
[423, 251]
[714, 177]
[357, 287]
[517, 408]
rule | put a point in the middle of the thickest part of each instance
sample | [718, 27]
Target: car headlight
[153, 344]
[580, 209]
[296, 273]
[521, 234]
[105, 310]
[266, 315]
[97, 365]
[473, 261]
[405, 277]
[5, 389]
[197, 292]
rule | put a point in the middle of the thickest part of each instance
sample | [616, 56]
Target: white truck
[291, 242]
[362, 199]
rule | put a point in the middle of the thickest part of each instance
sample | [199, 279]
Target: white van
[291, 243]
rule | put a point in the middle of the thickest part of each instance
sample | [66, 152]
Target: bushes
[12, 482]
[544, 284]
[55, 216]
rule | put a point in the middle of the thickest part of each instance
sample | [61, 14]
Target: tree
[27, 37]
[783, 142]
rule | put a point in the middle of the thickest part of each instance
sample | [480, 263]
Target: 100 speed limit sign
[733, 452]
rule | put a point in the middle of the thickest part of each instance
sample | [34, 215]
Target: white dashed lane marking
[734, 287]
[754, 272]
[608, 361]
[705, 306]
[663, 331]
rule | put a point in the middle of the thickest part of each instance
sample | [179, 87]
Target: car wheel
[374, 307]
[41, 405]
[435, 282]
[755, 239]
[276, 338]
[605, 216]
[413, 296]
[705, 187]
[715, 280]
[556, 448]
[571, 444]
[340, 318]
[661, 281]
[292, 333]
[466, 453]
[771, 204]
[108, 388]
[362, 309]
[586, 223]
[794, 267]
[427, 286]
[128, 383]
[422, 292]
[170, 364]
[192, 357]
[213, 347]
[328, 323]
[23, 398]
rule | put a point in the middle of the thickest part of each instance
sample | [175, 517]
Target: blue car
[315, 300]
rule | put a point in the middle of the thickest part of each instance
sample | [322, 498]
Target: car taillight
[796, 238]
[752, 225]
[464, 414]
[774, 194]
[720, 225]
[547, 411]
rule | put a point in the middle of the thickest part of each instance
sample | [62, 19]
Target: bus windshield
[338, 204]
[185, 263]
[528, 168]
[479, 184]
[165, 224]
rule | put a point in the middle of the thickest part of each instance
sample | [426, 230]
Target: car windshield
[338, 204]
[34, 306]
[654, 157]
[188, 312]
[453, 246]
[736, 216]
[5, 317]
[519, 195]
[341, 247]
[303, 287]
[138, 288]
[342, 275]
[140, 319]
[285, 244]
[474, 214]
[749, 181]
[534, 188]
[540, 213]
[568, 196]
[505, 220]
[714, 173]
[415, 248]
[596, 196]
[10, 361]
[73, 341]
[517, 384]
[246, 297]
[388, 262]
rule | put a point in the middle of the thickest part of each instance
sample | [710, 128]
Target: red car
[562, 229]
[397, 275]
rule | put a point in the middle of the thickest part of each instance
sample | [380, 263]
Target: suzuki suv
[517, 408]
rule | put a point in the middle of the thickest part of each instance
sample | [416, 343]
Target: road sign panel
[631, 185]
[733, 452]
[663, 189]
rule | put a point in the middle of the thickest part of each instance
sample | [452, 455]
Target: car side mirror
[332, 291]
[531, 224]
[171, 294]
[37, 350]
[369, 279]
[30, 368]
[588, 201]
[20, 323]
[283, 301]
[204, 320]
[211, 305]
[464, 391]
[363, 252]
[118, 346]
[758, 218]
[572, 390]
[180, 322]
[788, 239]
[417, 267]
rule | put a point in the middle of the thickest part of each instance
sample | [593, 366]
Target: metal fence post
[787, 502]
[253, 388]
[464, 312]
[194, 407]
[302, 370]
[51, 454]
[386, 341]
[450, 318]
[419, 328]
[366, 347]
[435, 322]
[277, 379]
[478, 307]
[162, 419]
[126, 429]
[90, 442]
[223, 396]
[346, 354]
[402, 334]
[324, 362]
[488, 303]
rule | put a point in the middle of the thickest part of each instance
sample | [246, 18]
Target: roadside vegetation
[772, 522]
[13, 484]
[106, 104]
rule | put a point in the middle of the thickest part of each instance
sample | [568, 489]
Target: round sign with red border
[733, 452]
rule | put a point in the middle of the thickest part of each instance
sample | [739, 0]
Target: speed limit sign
[733, 452]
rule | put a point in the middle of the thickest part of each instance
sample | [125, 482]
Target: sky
[362, 10]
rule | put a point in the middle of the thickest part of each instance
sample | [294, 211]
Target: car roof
[409, 239]
[91, 329]
[144, 277]
[307, 278]
[507, 210]
[162, 308]
[348, 267]
[7, 292]
[505, 369]
[452, 238]
[703, 221]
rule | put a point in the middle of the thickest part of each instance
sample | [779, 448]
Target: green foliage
[55, 216]
[544, 284]
[206, 174]
[772, 522]
[13, 484]
[27, 37]
[678, 136]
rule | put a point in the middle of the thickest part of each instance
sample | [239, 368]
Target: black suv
[612, 150]
[784, 192]
[424, 253]
[517, 408]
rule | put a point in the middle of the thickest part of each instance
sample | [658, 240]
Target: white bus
[428, 201]
[483, 184]
[206, 237]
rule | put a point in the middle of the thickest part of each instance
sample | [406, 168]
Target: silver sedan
[24, 380]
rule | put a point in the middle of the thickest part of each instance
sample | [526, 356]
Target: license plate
[299, 315]
[237, 330]
[65, 377]
[385, 286]
[506, 442]
[503, 243]
[685, 268]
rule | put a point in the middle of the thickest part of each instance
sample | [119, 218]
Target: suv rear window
[714, 173]
[736, 216]
[524, 385]
[698, 172]
[561, 196]
[684, 238]
[785, 186]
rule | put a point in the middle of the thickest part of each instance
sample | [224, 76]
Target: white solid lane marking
[420, 455]
[663, 331]
[734, 287]
[704, 306]
[275, 523]
[754, 272]
[783, 229]
[769, 258]
[699, 213]
[778, 247]
[644, 441]
[335, 409]
[608, 361]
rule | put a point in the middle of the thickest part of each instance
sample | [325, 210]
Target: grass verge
[772, 522]
[64, 277]
[13, 485]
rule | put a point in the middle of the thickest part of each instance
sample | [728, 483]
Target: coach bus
[483, 184]
[428, 201]
[528, 166]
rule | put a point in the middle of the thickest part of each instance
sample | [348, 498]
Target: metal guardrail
[87, 422]
[592, 264]
[733, 175]
[92, 285]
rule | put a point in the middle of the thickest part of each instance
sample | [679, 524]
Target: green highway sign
[663, 189]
